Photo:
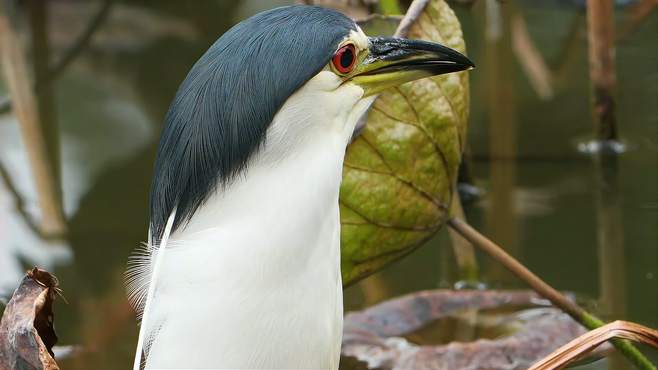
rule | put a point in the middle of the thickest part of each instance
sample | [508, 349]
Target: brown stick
[463, 250]
[57, 68]
[477, 239]
[38, 16]
[531, 60]
[601, 31]
[637, 14]
[576, 312]
[415, 10]
[14, 66]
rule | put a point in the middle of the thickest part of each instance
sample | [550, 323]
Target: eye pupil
[344, 59]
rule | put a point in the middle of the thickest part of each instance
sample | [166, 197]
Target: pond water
[584, 225]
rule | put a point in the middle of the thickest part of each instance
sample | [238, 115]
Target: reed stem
[14, 66]
[601, 41]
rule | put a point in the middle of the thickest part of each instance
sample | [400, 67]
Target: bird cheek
[352, 92]
[325, 81]
[358, 109]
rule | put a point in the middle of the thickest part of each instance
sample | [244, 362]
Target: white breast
[253, 281]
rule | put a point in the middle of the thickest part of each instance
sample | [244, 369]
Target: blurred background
[101, 74]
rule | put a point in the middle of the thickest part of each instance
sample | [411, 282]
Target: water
[545, 202]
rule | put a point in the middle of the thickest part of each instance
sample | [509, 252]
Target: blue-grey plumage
[224, 106]
[242, 268]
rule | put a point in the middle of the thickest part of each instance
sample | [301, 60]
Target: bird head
[309, 63]
[378, 63]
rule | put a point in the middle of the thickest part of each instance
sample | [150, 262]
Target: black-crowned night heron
[243, 271]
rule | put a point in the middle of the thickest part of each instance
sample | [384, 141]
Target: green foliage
[389, 7]
[400, 174]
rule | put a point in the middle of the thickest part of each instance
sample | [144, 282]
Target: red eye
[344, 59]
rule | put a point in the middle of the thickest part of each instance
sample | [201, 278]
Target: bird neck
[279, 220]
[262, 255]
[300, 186]
[262, 259]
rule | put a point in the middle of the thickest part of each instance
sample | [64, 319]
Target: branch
[69, 55]
[462, 249]
[13, 63]
[78, 46]
[413, 13]
[531, 59]
[576, 312]
[19, 203]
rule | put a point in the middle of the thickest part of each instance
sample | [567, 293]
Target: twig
[19, 203]
[69, 55]
[413, 13]
[16, 74]
[38, 19]
[582, 345]
[568, 54]
[78, 46]
[576, 312]
[463, 250]
[5, 104]
[637, 14]
[601, 44]
[531, 59]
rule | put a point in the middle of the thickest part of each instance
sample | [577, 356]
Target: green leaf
[400, 173]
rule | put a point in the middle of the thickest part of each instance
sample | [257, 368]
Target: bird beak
[394, 61]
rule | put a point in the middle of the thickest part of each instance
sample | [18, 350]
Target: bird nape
[242, 269]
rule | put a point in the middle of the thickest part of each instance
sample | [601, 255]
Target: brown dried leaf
[585, 343]
[385, 335]
[26, 329]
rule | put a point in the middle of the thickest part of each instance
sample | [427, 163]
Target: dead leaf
[592, 339]
[383, 335]
[27, 335]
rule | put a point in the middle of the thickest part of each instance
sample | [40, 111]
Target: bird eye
[344, 59]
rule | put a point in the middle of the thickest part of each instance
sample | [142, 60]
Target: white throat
[253, 281]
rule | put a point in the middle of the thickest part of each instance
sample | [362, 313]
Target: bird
[242, 265]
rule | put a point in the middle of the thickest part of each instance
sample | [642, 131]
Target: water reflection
[107, 108]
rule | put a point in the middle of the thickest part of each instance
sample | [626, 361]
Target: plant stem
[601, 33]
[413, 13]
[14, 65]
[462, 249]
[558, 299]
[78, 46]
[38, 12]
